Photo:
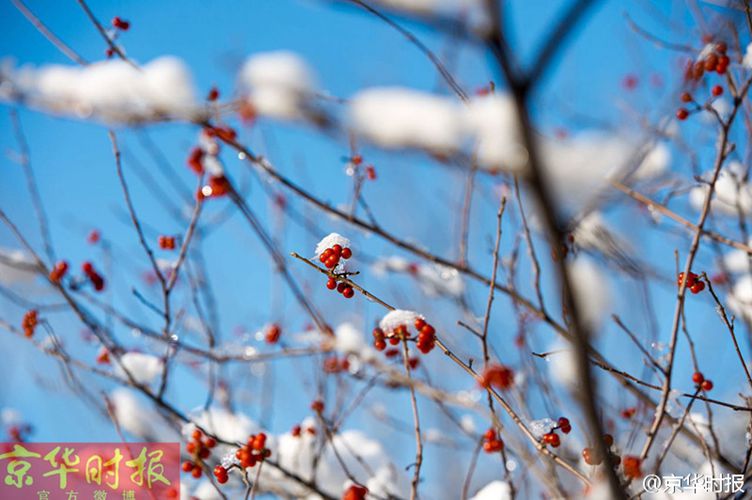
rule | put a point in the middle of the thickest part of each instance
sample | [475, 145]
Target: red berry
[272, 334]
[499, 376]
[213, 94]
[317, 406]
[552, 439]
[608, 439]
[685, 97]
[682, 114]
[564, 425]
[698, 287]
[371, 172]
[706, 385]
[295, 431]
[632, 467]
[346, 253]
[348, 292]
[87, 267]
[120, 24]
[331, 284]
[716, 90]
[187, 466]
[721, 47]
[591, 456]
[196, 472]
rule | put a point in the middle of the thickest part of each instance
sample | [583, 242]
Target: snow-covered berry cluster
[551, 438]
[394, 327]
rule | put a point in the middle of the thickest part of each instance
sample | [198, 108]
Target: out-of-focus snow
[730, 196]
[144, 368]
[396, 117]
[592, 291]
[495, 490]
[278, 84]
[112, 91]
[139, 418]
[15, 267]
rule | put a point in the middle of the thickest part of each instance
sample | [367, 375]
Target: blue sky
[349, 50]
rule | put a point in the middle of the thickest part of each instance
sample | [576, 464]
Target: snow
[470, 11]
[737, 261]
[396, 318]
[541, 426]
[748, 57]
[562, 366]
[227, 426]
[492, 123]
[10, 417]
[349, 339]
[730, 195]
[592, 291]
[397, 118]
[135, 416]
[740, 299]
[13, 267]
[495, 490]
[296, 453]
[435, 280]
[580, 166]
[278, 84]
[330, 240]
[112, 91]
[144, 368]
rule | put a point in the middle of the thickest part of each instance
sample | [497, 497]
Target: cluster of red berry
[694, 284]
[57, 272]
[357, 161]
[166, 242]
[272, 333]
[317, 406]
[336, 365]
[222, 132]
[254, 451]
[297, 430]
[699, 379]
[592, 457]
[332, 255]
[426, 339]
[355, 492]
[195, 160]
[551, 438]
[30, 322]
[94, 277]
[120, 24]
[491, 441]
[716, 60]
[199, 447]
[216, 187]
[498, 376]
[221, 474]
